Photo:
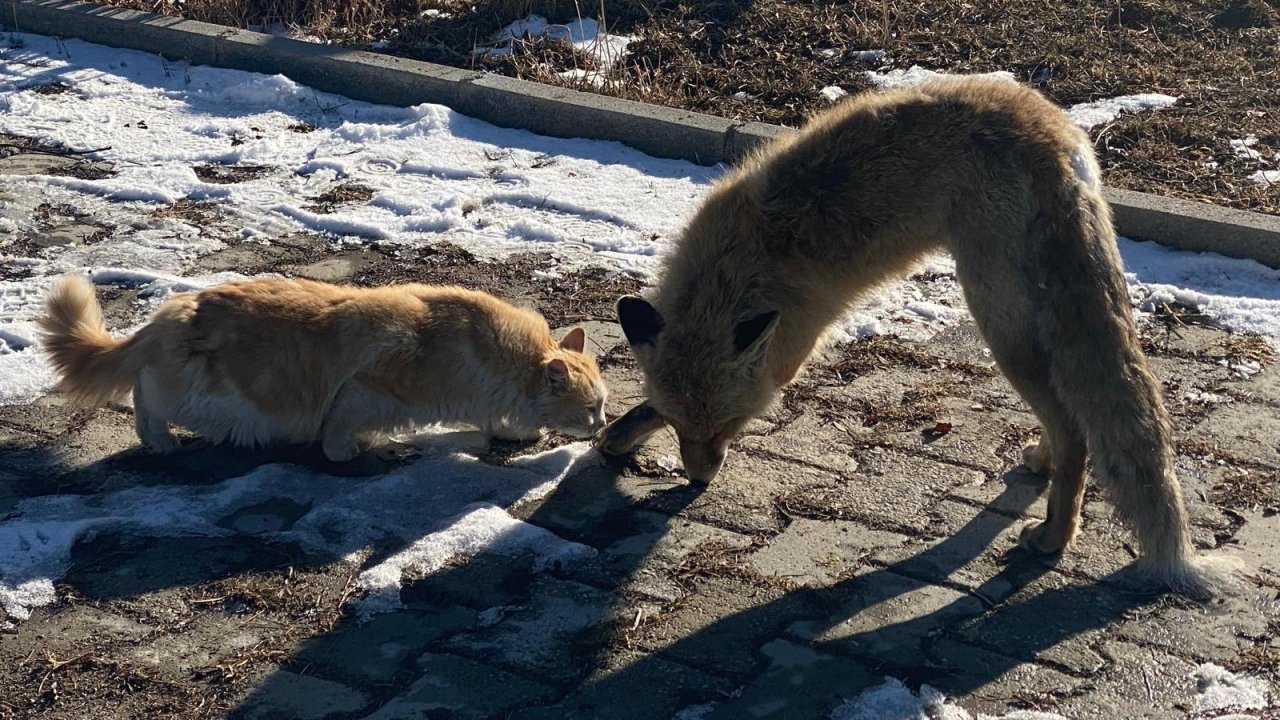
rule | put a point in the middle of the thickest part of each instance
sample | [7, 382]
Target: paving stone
[652, 547]
[797, 682]
[976, 438]
[967, 547]
[633, 686]
[1245, 431]
[483, 582]
[716, 626]
[890, 491]
[1051, 619]
[207, 639]
[806, 439]
[885, 618]
[289, 696]
[1216, 631]
[71, 630]
[1263, 387]
[995, 683]
[448, 686]
[383, 648]
[742, 496]
[1137, 682]
[818, 553]
[542, 637]
[1017, 492]
[596, 505]
[1257, 542]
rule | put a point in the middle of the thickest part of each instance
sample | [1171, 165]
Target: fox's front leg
[627, 432]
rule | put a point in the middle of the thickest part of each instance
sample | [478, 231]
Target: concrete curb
[557, 112]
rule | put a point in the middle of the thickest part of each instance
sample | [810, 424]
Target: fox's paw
[1045, 538]
[1037, 458]
[160, 444]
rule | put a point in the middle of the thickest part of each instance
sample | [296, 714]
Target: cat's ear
[575, 340]
[640, 321]
[556, 372]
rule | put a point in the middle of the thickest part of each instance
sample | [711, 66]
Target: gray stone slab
[715, 628]
[630, 685]
[818, 553]
[653, 546]
[1196, 226]
[1244, 431]
[886, 618]
[117, 27]
[290, 696]
[383, 648]
[1052, 619]
[1136, 682]
[538, 637]
[796, 681]
[461, 689]
[991, 682]
[965, 547]
[745, 138]
[352, 73]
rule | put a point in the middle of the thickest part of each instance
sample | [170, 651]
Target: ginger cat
[299, 361]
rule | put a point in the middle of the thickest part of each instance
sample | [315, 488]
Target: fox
[989, 170]
[277, 360]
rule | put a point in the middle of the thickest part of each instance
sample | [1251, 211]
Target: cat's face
[574, 393]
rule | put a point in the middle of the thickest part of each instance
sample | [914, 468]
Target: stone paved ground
[843, 542]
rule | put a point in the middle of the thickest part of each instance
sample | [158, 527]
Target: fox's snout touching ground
[95, 368]
[992, 172]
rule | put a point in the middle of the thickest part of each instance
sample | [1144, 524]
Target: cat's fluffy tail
[95, 367]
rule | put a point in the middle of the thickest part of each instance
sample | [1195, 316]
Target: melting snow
[1090, 114]
[894, 701]
[445, 506]
[583, 34]
[1219, 689]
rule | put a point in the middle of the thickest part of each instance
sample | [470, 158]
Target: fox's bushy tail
[1100, 373]
[93, 366]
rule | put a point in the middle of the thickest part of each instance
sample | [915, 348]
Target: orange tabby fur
[301, 361]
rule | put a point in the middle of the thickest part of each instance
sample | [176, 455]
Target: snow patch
[447, 505]
[895, 701]
[1219, 689]
[832, 93]
[1090, 114]
[915, 75]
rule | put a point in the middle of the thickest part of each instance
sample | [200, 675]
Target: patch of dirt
[201, 212]
[340, 195]
[227, 174]
[53, 88]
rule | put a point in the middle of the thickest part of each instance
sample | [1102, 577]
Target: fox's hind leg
[151, 426]
[998, 295]
[1062, 451]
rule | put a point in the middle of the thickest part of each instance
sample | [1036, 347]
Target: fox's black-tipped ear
[640, 321]
[751, 335]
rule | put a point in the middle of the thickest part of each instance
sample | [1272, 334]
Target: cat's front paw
[340, 451]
